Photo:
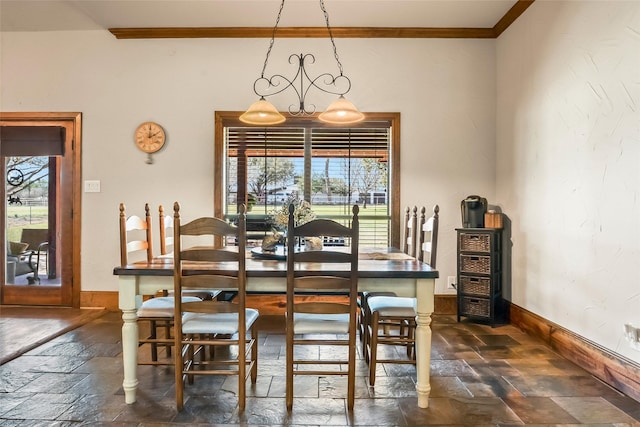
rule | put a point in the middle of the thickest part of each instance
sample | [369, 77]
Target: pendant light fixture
[341, 111]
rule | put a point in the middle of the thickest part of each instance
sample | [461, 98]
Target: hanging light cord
[333, 43]
[273, 37]
[275, 29]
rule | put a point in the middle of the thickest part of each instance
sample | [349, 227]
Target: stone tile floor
[480, 376]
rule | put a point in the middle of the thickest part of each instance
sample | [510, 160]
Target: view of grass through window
[332, 168]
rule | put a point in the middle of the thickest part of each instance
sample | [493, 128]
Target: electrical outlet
[451, 282]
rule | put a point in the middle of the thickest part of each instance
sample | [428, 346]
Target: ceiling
[75, 15]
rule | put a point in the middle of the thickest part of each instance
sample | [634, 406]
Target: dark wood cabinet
[479, 275]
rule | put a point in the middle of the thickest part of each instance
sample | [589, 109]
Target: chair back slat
[135, 223]
[326, 256]
[323, 283]
[322, 308]
[204, 281]
[208, 226]
[208, 254]
[137, 245]
[210, 307]
[321, 228]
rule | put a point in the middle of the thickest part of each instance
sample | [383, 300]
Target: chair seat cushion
[161, 306]
[216, 323]
[365, 295]
[307, 323]
[393, 306]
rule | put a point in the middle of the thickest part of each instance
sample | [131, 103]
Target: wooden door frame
[70, 190]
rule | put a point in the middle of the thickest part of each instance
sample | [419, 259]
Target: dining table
[379, 269]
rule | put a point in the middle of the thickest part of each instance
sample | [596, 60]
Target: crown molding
[300, 32]
[319, 32]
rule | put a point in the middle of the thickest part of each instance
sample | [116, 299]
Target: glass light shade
[341, 111]
[262, 112]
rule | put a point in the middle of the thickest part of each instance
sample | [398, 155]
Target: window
[332, 167]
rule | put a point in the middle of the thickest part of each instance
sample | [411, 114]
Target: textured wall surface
[444, 90]
[568, 164]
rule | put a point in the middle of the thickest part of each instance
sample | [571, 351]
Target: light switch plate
[92, 186]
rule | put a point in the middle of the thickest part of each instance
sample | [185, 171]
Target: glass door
[38, 162]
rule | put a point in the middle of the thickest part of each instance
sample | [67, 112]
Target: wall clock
[150, 138]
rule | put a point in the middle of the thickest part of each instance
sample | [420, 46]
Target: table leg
[128, 305]
[425, 304]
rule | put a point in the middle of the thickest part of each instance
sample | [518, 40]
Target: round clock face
[150, 137]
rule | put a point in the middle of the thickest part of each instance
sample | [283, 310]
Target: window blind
[333, 168]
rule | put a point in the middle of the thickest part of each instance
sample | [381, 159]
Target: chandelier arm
[272, 82]
[330, 82]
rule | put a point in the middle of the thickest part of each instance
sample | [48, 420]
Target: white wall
[568, 168]
[444, 90]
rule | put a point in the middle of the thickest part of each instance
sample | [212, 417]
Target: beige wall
[444, 90]
[568, 169]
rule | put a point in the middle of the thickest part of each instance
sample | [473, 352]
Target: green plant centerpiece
[280, 220]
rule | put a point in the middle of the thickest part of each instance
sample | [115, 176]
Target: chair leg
[254, 355]
[373, 346]
[153, 335]
[167, 335]
[360, 313]
[179, 379]
[359, 322]
[351, 376]
[289, 370]
[364, 324]
[367, 333]
[242, 370]
[191, 359]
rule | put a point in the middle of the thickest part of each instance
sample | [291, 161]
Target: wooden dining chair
[392, 320]
[409, 241]
[416, 242]
[309, 322]
[136, 244]
[202, 326]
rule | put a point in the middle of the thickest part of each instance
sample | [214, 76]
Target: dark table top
[373, 263]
